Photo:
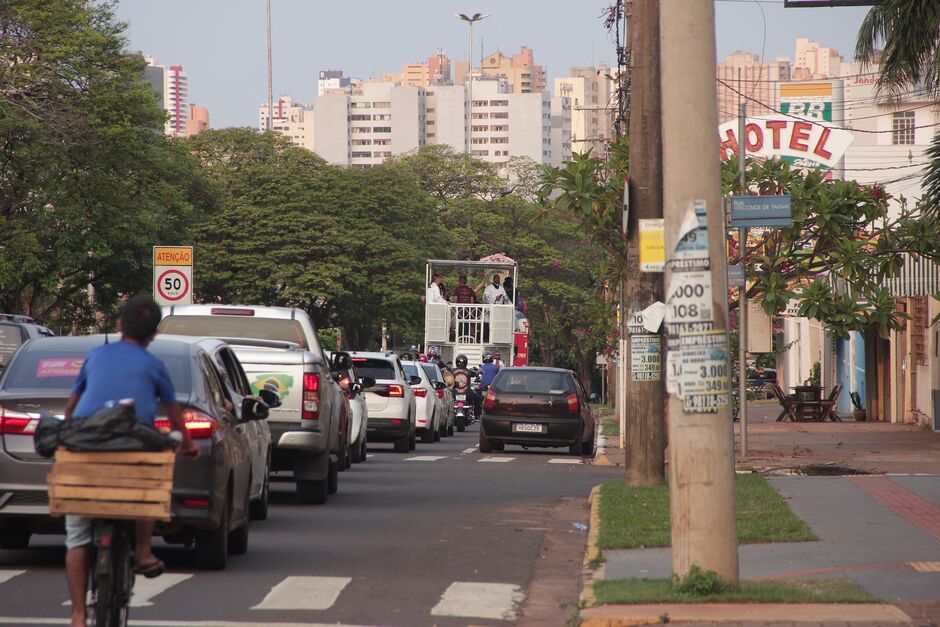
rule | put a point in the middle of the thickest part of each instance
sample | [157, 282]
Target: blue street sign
[761, 211]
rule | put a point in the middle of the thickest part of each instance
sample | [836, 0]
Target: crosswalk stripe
[469, 450]
[480, 600]
[145, 589]
[564, 460]
[7, 575]
[304, 593]
[425, 458]
[497, 460]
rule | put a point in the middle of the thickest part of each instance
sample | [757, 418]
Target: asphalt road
[440, 536]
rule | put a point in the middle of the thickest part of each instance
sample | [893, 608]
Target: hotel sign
[803, 143]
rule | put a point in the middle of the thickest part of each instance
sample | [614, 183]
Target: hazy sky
[221, 43]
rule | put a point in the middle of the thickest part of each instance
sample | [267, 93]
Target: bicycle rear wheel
[112, 574]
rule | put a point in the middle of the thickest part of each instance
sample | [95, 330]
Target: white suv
[430, 414]
[391, 402]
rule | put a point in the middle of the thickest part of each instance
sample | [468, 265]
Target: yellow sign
[173, 255]
[652, 245]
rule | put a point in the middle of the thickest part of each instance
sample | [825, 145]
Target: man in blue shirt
[111, 373]
[490, 370]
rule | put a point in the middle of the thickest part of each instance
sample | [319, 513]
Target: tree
[909, 30]
[87, 182]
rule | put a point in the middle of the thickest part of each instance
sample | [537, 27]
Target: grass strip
[610, 428]
[639, 517]
[838, 590]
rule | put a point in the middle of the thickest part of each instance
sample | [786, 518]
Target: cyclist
[112, 372]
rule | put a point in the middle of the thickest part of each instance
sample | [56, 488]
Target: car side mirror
[253, 408]
[440, 385]
[356, 388]
[594, 397]
[367, 382]
[414, 380]
[271, 398]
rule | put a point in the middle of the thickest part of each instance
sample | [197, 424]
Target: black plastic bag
[114, 428]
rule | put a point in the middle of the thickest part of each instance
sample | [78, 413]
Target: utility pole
[470, 20]
[742, 291]
[270, 123]
[701, 442]
[645, 393]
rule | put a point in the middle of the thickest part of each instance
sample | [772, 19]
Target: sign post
[173, 275]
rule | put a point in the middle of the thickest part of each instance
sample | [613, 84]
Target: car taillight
[17, 423]
[420, 392]
[222, 311]
[572, 403]
[311, 397]
[198, 424]
[490, 401]
[396, 391]
[440, 393]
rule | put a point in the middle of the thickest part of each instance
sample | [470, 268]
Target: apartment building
[171, 84]
[331, 80]
[291, 119]
[198, 120]
[364, 128]
[519, 71]
[745, 73]
[591, 92]
[813, 61]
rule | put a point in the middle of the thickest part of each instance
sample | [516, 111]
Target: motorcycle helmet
[487, 357]
[461, 361]
[433, 352]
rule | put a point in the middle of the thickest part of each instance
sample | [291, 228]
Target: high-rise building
[198, 120]
[591, 91]
[814, 62]
[172, 88]
[434, 71]
[331, 80]
[519, 71]
[291, 119]
[743, 78]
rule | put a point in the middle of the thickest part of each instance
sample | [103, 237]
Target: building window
[361, 153]
[480, 153]
[386, 153]
[499, 103]
[499, 140]
[382, 116]
[431, 136]
[382, 142]
[381, 129]
[361, 105]
[480, 140]
[501, 115]
[431, 110]
[382, 105]
[361, 142]
[482, 116]
[360, 117]
[430, 122]
[500, 128]
[360, 129]
[479, 128]
[902, 128]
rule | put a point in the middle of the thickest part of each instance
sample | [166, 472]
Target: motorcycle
[464, 411]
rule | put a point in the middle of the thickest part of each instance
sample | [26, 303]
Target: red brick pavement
[903, 502]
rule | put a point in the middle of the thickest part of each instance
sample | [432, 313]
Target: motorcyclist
[460, 365]
[490, 370]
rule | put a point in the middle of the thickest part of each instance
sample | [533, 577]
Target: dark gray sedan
[211, 495]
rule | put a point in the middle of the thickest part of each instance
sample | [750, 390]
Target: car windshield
[518, 381]
[236, 326]
[412, 370]
[44, 369]
[431, 371]
[375, 368]
[11, 338]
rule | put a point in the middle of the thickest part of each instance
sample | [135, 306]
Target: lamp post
[270, 123]
[470, 19]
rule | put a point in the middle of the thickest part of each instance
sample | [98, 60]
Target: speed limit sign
[173, 275]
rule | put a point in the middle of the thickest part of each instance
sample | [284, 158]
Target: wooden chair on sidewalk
[828, 405]
[788, 404]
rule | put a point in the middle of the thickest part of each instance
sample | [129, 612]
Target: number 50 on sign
[173, 275]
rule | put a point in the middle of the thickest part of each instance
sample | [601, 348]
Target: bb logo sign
[173, 275]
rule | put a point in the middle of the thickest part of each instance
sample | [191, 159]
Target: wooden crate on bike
[111, 485]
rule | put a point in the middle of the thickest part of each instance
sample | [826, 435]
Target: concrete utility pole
[742, 291]
[270, 123]
[701, 445]
[470, 20]
[645, 393]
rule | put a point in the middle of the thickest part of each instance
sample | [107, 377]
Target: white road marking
[370, 454]
[480, 600]
[7, 575]
[425, 458]
[565, 460]
[470, 450]
[19, 620]
[497, 460]
[304, 593]
[145, 589]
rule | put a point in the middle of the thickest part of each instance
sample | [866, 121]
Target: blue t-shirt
[120, 370]
[489, 373]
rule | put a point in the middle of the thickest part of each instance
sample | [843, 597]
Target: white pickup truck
[278, 349]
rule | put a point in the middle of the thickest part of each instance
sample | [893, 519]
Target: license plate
[527, 427]
[461, 397]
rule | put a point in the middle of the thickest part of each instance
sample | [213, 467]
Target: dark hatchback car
[14, 333]
[210, 494]
[537, 407]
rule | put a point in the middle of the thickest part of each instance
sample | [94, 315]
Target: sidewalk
[881, 530]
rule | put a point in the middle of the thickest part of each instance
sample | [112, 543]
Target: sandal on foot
[154, 569]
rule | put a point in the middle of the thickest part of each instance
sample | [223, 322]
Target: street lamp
[470, 19]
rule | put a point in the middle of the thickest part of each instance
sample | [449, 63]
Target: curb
[600, 455]
[592, 553]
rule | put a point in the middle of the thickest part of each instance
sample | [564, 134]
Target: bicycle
[111, 572]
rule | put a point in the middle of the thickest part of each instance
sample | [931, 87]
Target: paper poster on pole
[652, 245]
[646, 358]
[691, 252]
[690, 297]
[705, 383]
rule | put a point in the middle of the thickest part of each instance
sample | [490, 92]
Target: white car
[358, 408]
[430, 415]
[446, 395]
[390, 402]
